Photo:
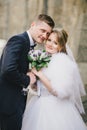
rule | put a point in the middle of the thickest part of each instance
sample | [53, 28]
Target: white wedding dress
[47, 112]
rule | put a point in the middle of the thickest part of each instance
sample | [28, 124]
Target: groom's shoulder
[21, 37]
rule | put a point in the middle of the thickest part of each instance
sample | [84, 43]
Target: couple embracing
[59, 105]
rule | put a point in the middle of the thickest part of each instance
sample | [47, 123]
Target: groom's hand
[32, 78]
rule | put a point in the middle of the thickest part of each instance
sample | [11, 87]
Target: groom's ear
[33, 24]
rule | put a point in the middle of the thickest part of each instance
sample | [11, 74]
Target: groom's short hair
[47, 19]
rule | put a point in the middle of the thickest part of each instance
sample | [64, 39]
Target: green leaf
[30, 59]
[46, 59]
[33, 64]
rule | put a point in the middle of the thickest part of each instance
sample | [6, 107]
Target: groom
[14, 75]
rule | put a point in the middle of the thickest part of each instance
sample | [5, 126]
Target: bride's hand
[55, 93]
[37, 73]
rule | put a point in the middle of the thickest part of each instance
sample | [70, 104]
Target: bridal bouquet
[38, 59]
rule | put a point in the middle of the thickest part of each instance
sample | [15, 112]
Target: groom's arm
[10, 63]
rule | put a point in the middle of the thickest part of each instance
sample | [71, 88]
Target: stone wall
[2, 44]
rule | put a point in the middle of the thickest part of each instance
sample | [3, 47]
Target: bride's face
[52, 45]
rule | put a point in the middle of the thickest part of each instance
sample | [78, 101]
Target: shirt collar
[32, 43]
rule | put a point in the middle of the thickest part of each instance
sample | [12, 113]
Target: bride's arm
[45, 81]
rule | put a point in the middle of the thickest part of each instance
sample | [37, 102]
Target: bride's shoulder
[60, 57]
[63, 59]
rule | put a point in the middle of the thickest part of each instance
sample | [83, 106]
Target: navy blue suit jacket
[13, 68]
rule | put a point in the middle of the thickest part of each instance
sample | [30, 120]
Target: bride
[59, 105]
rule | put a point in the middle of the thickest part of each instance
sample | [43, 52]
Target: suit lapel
[26, 37]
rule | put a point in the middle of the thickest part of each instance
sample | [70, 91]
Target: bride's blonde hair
[62, 37]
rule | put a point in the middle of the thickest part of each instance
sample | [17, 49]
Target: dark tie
[32, 47]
